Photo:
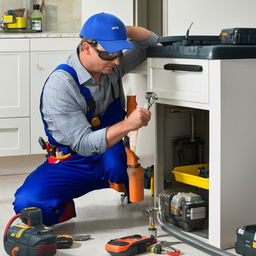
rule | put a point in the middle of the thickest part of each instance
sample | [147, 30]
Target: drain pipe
[173, 231]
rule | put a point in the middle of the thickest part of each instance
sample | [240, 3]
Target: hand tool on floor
[66, 241]
[129, 245]
[30, 239]
[152, 231]
[169, 250]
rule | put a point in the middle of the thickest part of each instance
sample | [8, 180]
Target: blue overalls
[52, 187]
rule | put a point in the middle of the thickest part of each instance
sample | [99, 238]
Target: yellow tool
[18, 22]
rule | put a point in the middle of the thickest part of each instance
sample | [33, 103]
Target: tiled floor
[100, 214]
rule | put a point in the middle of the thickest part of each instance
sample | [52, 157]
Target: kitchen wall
[210, 16]
[60, 15]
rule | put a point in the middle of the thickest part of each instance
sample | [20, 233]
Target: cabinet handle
[183, 67]
[39, 68]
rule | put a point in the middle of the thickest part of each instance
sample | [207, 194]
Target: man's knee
[22, 201]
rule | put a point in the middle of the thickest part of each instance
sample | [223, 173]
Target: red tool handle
[173, 252]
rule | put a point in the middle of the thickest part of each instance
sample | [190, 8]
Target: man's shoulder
[60, 80]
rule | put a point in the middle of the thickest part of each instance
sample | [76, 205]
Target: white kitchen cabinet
[14, 97]
[229, 101]
[14, 78]
[46, 54]
[14, 136]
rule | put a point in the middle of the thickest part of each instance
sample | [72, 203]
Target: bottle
[36, 18]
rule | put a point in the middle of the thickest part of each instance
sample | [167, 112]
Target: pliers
[166, 247]
[172, 251]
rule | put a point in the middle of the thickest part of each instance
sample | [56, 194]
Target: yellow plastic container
[189, 175]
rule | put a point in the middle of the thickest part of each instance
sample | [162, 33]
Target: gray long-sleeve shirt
[64, 108]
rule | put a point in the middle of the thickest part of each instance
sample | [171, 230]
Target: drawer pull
[183, 67]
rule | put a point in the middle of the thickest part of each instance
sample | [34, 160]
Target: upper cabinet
[145, 13]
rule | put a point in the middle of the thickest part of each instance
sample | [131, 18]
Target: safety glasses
[104, 55]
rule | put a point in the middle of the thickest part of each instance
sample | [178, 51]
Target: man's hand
[137, 119]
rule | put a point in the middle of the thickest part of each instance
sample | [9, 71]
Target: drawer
[179, 79]
[14, 136]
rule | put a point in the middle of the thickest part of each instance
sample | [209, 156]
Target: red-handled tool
[172, 251]
[51, 149]
[159, 249]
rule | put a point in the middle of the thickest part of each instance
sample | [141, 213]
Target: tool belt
[55, 155]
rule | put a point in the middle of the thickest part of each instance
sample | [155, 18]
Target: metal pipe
[173, 231]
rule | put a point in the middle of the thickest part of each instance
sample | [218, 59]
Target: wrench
[151, 97]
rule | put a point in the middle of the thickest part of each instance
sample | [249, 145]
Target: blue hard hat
[108, 30]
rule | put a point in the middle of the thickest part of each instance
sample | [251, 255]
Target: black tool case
[246, 240]
[238, 36]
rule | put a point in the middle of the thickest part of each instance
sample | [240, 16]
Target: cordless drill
[30, 239]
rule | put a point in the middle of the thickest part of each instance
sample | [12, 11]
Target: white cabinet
[14, 78]
[230, 105]
[25, 64]
[122, 9]
[14, 136]
[46, 54]
[14, 97]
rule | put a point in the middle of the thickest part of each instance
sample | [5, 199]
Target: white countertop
[10, 35]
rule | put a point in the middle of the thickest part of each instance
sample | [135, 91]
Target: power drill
[30, 239]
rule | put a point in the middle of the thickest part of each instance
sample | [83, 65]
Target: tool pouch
[55, 159]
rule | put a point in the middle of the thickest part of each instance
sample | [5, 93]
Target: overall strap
[84, 91]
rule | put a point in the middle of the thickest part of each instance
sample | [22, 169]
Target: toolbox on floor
[246, 240]
[195, 175]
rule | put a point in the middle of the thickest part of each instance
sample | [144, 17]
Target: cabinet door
[122, 9]
[14, 80]
[14, 136]
[42, 64]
